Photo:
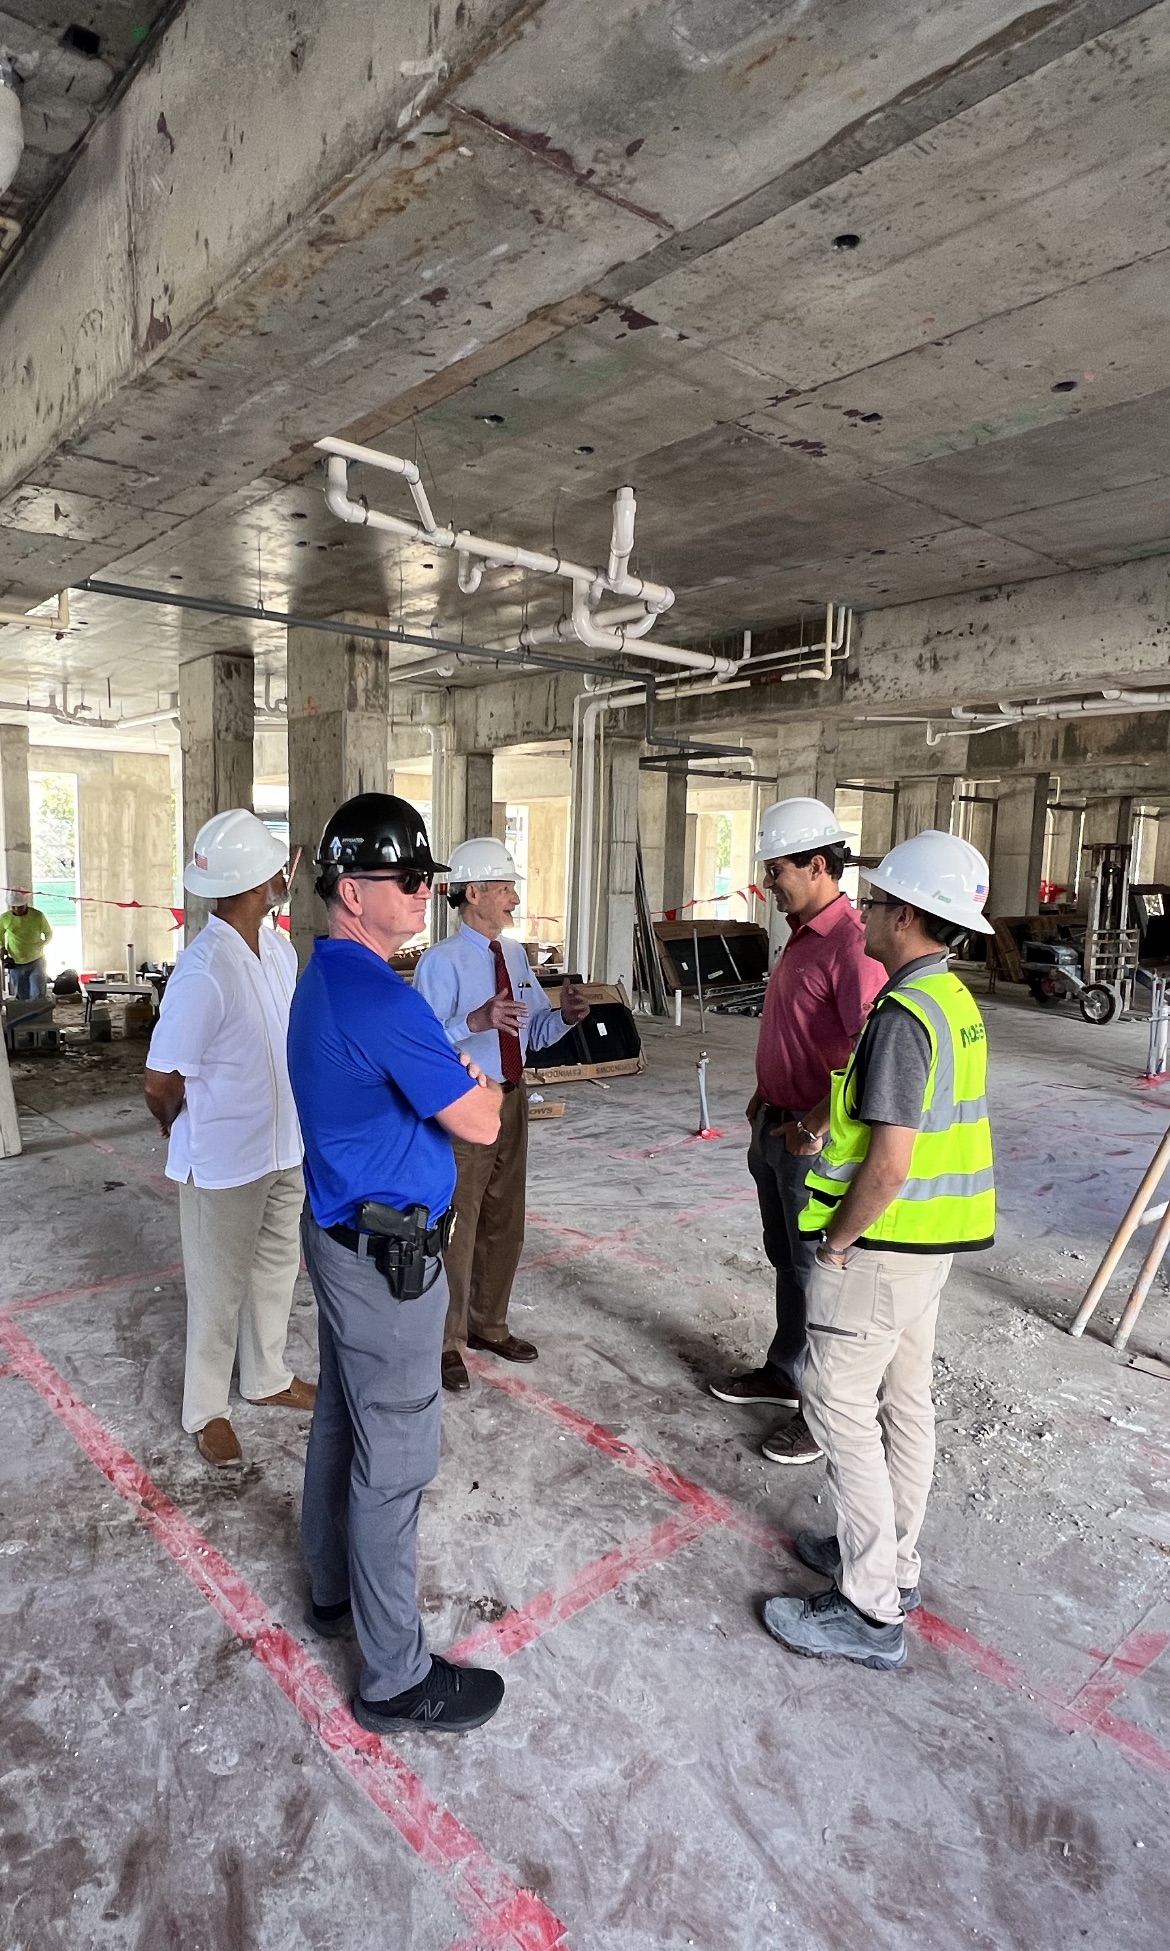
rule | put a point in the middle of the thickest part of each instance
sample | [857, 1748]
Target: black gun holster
[401, 1243]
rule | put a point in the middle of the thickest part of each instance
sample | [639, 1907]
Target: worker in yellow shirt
[24, 933]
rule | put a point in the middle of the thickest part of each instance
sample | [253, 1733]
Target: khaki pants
[484, 1253]
[241, 1257]
[867, 1401]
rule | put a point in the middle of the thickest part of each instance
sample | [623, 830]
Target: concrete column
[1017, 859]
[914, 808]
[1162, 849]
[825, 772]
[878, 814]
[662, 830]
[676, 887]
[944, 804]
[613, 958]
[338, 746]
[217, 729]
[15, 810]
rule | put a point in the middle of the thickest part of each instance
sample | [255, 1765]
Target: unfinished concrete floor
[178, 1765]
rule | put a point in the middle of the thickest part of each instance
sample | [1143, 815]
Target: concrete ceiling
[607, 251]
[69, 61]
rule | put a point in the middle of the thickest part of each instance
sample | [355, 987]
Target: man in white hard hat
[904, 1182]
[816, 1001]
[217, 1081]
[485, 995]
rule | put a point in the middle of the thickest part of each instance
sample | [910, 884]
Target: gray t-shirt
[893, 1057]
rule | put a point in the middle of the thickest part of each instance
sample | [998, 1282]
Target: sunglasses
[409, 880]
[868, 901]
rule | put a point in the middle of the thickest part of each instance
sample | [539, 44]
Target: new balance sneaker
[793, 1442]
[824, 1555]
[450, 1700]
[756, 1385]
[829, 1628]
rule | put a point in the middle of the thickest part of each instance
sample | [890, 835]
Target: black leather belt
[433, 1242]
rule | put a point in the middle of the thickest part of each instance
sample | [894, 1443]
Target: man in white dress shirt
[485, 995]
[217, 1081]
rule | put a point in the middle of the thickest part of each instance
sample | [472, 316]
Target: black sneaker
[793, 1442]
[758, 1385]
[824, 1555]
[450, 1700]
[330, 1622]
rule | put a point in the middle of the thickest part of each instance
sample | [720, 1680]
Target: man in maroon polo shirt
[819, 995]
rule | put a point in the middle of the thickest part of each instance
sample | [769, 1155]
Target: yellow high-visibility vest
[947, 1204]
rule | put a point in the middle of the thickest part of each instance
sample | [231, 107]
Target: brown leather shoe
[298, 1395]
[511, 1349]
[218, 1443]
[454, 1371]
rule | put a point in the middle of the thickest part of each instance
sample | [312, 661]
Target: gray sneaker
[829, 1628]
[824, 1555]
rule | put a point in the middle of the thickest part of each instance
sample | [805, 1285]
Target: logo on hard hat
[980, 894]
[201, 861]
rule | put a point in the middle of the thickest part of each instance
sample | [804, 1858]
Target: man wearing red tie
[485, 995]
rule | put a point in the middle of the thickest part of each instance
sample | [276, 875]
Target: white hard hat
[233, 853]
[797, 826]
[481, 860]
[940, 873]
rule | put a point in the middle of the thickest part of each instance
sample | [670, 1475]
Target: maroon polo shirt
[818, 996]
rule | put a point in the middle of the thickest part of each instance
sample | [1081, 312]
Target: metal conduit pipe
[583, 770]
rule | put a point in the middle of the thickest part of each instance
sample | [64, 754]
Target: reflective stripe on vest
[948, 1200]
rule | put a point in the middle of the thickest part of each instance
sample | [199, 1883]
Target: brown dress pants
[484, 1253]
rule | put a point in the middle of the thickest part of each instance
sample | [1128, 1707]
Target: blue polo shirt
[370, 1066]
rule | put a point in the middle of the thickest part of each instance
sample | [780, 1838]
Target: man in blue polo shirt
[380, 1092]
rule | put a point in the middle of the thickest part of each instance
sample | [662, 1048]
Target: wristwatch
[814, 1137]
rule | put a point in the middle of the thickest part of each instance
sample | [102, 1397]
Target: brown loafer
[511, 1349]
[218, 1443]
[454, 1371]
[298, 1395]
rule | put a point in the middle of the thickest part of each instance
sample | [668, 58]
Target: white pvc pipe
[587, 584]
[58, 622]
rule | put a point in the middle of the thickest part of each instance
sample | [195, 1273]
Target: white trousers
[241, 1256]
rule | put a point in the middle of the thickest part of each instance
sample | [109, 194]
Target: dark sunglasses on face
[867, 901]
[409, 879]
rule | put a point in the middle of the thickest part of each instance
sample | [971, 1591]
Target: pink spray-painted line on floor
[937, 1632]
[530, 1622]
[706, 1503]
[503, 1916]
[1136, 1655]
[54, 1296]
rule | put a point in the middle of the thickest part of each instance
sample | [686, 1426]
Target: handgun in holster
[401, 1243]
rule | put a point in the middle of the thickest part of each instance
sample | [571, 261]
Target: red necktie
[511, 1055]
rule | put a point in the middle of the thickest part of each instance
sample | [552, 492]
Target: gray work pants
[373, 1449]
[780, 1186]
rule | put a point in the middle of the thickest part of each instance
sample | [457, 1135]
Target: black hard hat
[372, 831]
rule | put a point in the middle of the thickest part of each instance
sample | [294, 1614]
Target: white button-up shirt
[224, 1026]
[459, 975]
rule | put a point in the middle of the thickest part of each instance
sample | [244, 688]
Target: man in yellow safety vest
[901, 1183]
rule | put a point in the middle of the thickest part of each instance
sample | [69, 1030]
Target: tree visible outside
[53, 801]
